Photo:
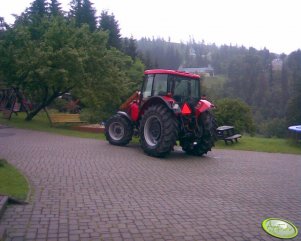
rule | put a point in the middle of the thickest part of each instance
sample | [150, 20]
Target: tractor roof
[172, 72]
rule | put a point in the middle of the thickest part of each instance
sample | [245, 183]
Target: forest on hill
[48, 52]
[269, 83]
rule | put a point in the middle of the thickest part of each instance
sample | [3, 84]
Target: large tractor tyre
[208, 125]
[119, 130]
[158, 131]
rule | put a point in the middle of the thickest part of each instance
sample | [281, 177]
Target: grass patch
[273, 145]
[12, 182]
[41, 123]
[247, 143]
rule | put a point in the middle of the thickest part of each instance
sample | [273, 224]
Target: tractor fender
[126, 115]
[203, 106]
[156, 100]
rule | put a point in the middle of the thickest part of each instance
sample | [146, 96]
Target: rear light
[185, 109]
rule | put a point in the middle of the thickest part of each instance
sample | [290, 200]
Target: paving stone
[89, 190]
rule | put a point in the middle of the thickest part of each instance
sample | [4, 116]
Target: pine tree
[108, 23]
[75, 11]
[129, 47]
[88, 15]
[3, 24]
[3, 27]
[55, 8]
[83, 13]
[39, 8]
[34, 16]
[294, 111]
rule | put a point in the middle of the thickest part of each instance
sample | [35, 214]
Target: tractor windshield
[155, 85]
[182, 88]
[186, 89]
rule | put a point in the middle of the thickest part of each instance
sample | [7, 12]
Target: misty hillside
[268, 82]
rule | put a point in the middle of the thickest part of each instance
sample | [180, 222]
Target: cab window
[160, 85]
[147, 86]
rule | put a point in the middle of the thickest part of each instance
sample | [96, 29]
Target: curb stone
[2, 234]
[3, 203]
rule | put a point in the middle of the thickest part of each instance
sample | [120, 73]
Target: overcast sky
[274, 24]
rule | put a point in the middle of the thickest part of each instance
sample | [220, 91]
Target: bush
[59, 104]
[2, 162]
[273, 128]
[90, 115]
[236, 113]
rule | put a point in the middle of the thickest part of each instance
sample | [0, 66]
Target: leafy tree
[110, 24]
[110, 85]
[33, 17]
[236, 113]
[46, 68]
[67, 58]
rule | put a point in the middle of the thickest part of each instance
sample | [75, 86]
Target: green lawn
[41, 123]
[12, 182]
[249, 143]
[273, 145]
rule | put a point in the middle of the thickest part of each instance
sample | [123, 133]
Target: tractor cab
[180, 86]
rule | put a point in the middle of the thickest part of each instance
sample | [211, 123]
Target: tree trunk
[43, 105]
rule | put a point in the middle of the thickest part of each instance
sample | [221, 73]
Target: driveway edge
[3, 203]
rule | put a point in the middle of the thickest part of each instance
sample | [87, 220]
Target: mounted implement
[168, 109]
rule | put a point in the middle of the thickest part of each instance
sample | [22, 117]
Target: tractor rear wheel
[158, 131]
[208, 125]
[119, 130]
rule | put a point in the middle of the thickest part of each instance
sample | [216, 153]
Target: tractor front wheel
[158, 131]
[119, 130]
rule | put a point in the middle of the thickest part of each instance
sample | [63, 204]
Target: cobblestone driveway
[89, 190]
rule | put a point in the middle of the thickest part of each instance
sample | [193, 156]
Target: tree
[236, 113]
[129, 47]
[88, 14]
[75, 11]
[55, 8]
[108, 23]
[39, 8]
[294, 103]
[46, 68]
[83, 13]
[67, 58]
[110, 84]
[3, 27]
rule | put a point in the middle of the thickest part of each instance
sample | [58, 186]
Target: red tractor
[168, 109]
